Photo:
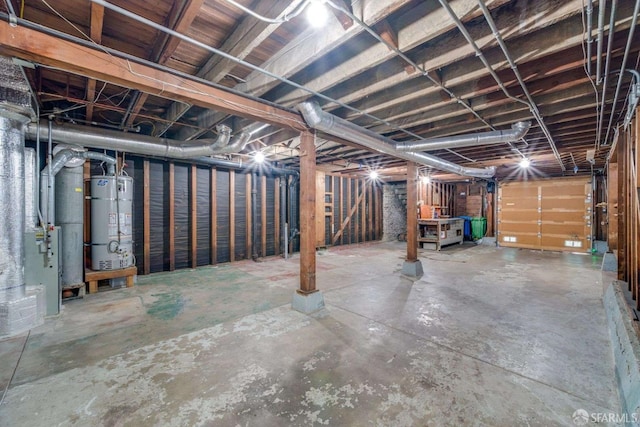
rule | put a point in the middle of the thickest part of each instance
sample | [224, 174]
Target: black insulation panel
[203, 215]
[181, 216]
[241, 216]
[272, 193]
[222, 211]
[159, 215]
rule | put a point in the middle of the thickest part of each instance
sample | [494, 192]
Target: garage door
[548, 214]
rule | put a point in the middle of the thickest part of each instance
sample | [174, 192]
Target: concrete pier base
[308, 303]
[412, 269]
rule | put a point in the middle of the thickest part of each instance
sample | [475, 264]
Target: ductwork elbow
[238, 144]
[312, 114]
[520, 129]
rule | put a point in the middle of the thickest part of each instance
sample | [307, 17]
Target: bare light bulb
[317, 13]
[373, 175]
[258, 157]
[426, 180]
[525, 163]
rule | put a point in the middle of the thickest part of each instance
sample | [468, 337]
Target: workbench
[438, 232]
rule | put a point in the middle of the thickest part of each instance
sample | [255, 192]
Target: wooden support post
[370, 233]
[276, 214]
[340, 206]
[356, 219]
[363, 211]
[412, 216]
[146, 217]
[213, 209]
[349, 181]
[622, 199]
[263, 214]
[232, 215]
[377, 219]
[249, 234]
[194, 216]
[307, 213]
[172, 217]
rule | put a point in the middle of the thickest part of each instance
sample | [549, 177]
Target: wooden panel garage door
[549, 214]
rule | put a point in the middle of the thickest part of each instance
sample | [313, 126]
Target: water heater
[111, 222]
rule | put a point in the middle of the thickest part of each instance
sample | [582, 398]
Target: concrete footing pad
[609, 262]
[412, 268]
[626, 347]
[308, 303]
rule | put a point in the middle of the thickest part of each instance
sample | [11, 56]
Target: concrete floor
[489, 336]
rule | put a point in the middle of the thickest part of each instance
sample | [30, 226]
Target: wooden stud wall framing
[276, 213]
[263, 214]
[248, 242]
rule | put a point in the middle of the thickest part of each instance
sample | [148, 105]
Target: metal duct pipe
[333, 125]
[30, 188]
[228, 164]
[48, 177]
[12, 200]
[518, 130]
[138, 144]
[601, 9]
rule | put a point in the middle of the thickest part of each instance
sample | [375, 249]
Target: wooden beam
[370, 233]
[193, 201]
[388, 34]
[213, 209]
[96, 24]
[622, 210]
[146, 218]
[344, 19]
[363, 212]
[356, 220]
[412, 217]
[172, 217]
[307, 213]
[31, 45]
[263, 214]
[232, 215]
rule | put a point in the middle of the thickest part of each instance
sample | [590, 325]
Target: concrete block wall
[626, 348]
[394, 214]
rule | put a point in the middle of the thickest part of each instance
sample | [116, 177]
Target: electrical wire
[15, 369]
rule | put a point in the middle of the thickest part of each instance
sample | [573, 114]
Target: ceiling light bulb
[426, 179]
[258, 157]
[317, 13]
[524, 163]
[373, 175]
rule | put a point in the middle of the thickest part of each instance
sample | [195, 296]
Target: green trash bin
[478, 227]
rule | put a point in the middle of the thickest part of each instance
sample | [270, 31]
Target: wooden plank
[249, 235]
[622, 228]
[172, 217]
[347, 220]
[96, 23]
[341, 201]
[307, 213]
[412, 217]
[263, 214]
[320, 220]
[146, 218]
[232, 215]
[376, 209]
[194, 216]
[276, 214]
[612, 206]
[213, 209]
[356, 219]
[349, 181]
[32, 45]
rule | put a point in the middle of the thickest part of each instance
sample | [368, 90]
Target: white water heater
[111, 222]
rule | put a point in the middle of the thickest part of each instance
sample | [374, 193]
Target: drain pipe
[333, 125]
[607, 65]
[518, 130]
[601, 9]
[589, 36]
